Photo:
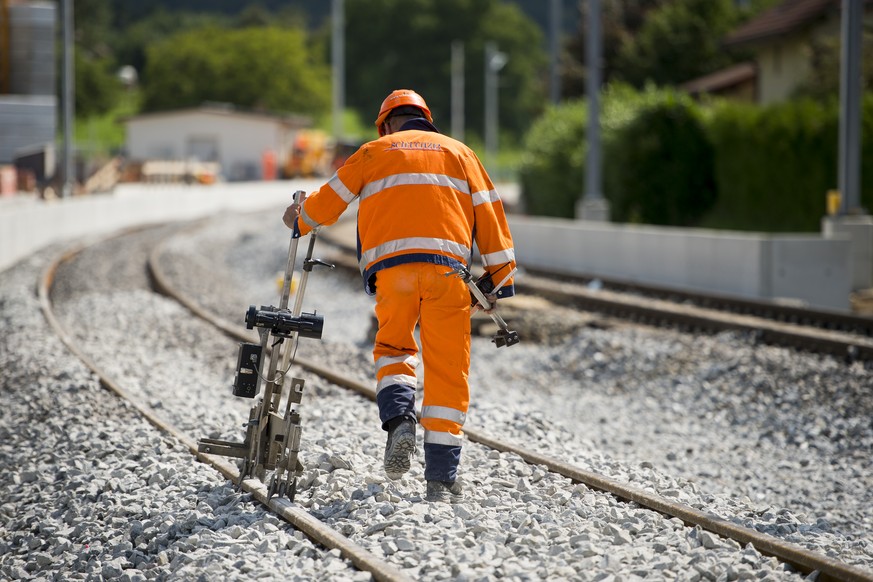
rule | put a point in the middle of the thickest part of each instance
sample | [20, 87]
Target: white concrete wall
[858, 229]
[809, 269]
[240, 141]
[29, 225]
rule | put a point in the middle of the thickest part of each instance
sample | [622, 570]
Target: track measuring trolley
[272, 438]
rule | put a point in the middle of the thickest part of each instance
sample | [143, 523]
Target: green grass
[102, 136]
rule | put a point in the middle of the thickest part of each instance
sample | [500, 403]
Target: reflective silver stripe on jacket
[415, 243]
[444, 413]
[308, 219]
[410, 361]
[337, 185]
[395, 379]
[484, 196]
[498, 258]
[442, 438]
[414, 179]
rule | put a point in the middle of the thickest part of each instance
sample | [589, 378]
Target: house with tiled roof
[780, 39]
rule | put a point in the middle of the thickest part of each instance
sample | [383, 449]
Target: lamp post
[337, 49]
[555, 51]
[494, 61]
[848, 217]
[593, 206]
[68, 98]
[850, 106]
[458, 90]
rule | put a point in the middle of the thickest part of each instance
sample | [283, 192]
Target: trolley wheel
[292, 490]
[271, 489]
[283, 487]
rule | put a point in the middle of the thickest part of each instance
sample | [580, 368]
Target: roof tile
[782, 18]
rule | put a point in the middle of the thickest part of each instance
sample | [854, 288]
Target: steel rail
[708, 312]
[654, 310]
[795, 555]
[773, 310]
[296, 516]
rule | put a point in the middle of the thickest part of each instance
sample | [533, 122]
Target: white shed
[237, 140]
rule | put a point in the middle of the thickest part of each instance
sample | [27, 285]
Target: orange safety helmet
[399, 98]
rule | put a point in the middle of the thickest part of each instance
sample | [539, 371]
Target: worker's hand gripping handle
[504, 336]
[292, 212]
[292, 249]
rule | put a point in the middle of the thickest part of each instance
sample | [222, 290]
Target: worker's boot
[444, 491]
[400, 447]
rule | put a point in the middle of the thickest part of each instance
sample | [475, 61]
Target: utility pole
[68, 102]
[555, 51]
[593, 205]
[337, 49]
[494, 61]
[849, 182]
[850, 219]
[458, 90]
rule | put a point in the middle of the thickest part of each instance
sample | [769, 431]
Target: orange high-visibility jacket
[424, 197]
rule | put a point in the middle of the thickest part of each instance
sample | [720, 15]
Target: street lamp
[593, 206]
[494, 61]
[458, 90]
[68, 101]
[338, 67]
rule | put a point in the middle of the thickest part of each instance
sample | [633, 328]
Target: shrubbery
[669, 160]
[552, 173]
[658, 167]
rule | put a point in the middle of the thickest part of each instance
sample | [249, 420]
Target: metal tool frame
[272, 441]
[504, 335]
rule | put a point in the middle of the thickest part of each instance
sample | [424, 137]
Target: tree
[621, 21]
[678, 42]
[131, 43]
[666, 41]
[823, 80]
[96, 86]
[261, 68]
[392, 44]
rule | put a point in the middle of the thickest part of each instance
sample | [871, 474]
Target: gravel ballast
[771, 438]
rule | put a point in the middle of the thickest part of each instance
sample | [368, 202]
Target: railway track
[798, 557]
[840, 334]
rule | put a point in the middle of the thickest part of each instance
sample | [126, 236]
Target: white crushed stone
[94, 491]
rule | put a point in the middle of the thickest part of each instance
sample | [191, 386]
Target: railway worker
[424, 199]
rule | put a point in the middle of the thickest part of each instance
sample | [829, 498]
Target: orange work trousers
[423, 294]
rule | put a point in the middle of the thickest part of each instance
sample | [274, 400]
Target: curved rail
[798, 557]
[296, 516]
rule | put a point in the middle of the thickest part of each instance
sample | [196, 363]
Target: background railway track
[826, 331]
[228, 357]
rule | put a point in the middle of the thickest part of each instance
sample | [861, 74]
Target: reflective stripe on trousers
[421, 293]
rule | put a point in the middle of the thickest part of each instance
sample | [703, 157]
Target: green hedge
[775, 164]
[552, 166]
[669, 160]
[552, 171]
[658, 167]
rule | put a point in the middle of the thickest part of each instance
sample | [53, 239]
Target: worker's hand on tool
[291, 214]
[492, 302]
